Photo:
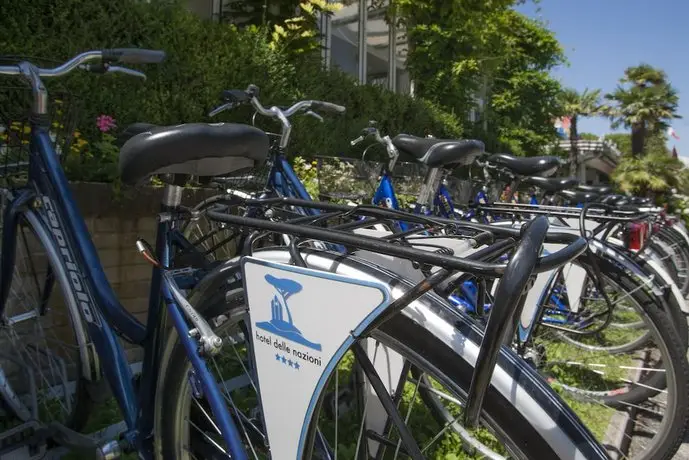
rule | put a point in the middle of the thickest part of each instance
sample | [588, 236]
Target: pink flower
[105, 123]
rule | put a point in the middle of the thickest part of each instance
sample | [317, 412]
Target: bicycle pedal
[109, 451]
[21, 443]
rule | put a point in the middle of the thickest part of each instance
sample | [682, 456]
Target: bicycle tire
[83, 402]
[671, 302]
[660, 252]
[666, 446]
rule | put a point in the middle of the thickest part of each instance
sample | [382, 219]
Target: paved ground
[683, 453]
[647, 425]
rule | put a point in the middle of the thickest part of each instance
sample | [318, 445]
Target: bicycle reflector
[636, 235]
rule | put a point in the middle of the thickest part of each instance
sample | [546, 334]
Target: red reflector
[636, 235]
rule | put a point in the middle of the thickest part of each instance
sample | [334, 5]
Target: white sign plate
[302, 322]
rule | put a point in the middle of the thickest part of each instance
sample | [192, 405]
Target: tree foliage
[589, 137]
[459, 49]
[649, 173]
[292, 24]
[655, 144]
[655, 171]
[645, 102]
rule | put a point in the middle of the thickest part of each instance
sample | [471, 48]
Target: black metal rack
[524, 260]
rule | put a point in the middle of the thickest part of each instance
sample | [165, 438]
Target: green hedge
[203, 59]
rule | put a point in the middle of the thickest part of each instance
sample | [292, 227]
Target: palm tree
[645, 102]
[656, 172]
[575, 105]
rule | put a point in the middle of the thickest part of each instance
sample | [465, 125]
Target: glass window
[344, 52]
[344, 45]
[403, 84]
[377, 44]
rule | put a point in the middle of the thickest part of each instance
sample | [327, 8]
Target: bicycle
[663, 241]
[46, 207]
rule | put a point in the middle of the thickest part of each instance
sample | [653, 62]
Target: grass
[593, 370]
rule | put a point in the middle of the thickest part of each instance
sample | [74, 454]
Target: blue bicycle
[47, 386]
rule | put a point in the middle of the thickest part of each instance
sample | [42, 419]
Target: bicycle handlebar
[117, 55]
[371, 130]
[236, 97]
[58, 71]
[368, 132]
[298, 107]
[33, 73]
[133, 56]
[328, 107]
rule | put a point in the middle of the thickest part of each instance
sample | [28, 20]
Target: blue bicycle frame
[48, 194]
[285, 182]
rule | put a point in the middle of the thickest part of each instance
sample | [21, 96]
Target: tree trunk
[638, 139]
[573, 148]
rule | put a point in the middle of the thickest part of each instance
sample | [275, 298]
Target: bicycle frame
[284, 180]
[49, 195]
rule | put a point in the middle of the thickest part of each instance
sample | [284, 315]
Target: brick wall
[115, 221]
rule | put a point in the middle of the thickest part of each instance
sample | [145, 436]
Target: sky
[601, 38]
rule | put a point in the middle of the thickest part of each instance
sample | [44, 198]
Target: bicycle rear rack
[514, 276]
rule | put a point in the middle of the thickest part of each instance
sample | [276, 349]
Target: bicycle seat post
[172, 193]
[429, 188]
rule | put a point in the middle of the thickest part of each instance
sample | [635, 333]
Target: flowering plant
[96, 160]
[105, 123]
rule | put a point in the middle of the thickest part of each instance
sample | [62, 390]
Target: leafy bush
[656, 173]
[308, 174]
[203, 59]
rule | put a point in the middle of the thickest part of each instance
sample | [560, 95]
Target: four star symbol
[287, 362]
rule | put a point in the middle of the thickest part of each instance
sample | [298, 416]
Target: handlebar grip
[253, 90]
[238, 96]
[133, 56]
[328, 107]
[356, 141]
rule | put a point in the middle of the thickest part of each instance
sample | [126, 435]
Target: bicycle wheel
[660, 252]
[611, 363]
[615, 369]
[522, 417]
[42, 339]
